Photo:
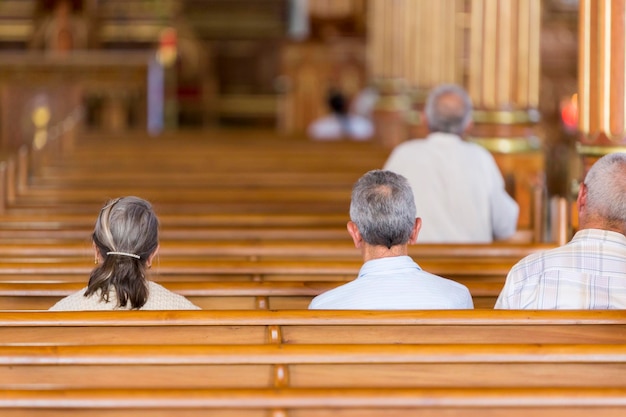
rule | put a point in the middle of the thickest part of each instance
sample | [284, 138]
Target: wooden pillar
[432, 47]
[601, 80]
[391, 112]
[414, 45]
[432, 51]
[503, 82]
[386, 58]
[334, 8]
[504, 70]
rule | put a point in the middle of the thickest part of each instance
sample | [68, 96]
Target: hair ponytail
[125, 275]
[125, 236]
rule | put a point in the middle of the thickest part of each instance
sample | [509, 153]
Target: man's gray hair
[448, 109]
[383, 208]
[606, 189]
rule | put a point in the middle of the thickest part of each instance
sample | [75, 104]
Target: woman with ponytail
[126, 240]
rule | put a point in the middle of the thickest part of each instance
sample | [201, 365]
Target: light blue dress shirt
[395, 283]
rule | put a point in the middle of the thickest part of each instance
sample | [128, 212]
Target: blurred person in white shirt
[340, 123]
[459, 190]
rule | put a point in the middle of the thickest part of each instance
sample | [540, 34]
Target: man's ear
[355, 234]
[581, 200]
[416, 230]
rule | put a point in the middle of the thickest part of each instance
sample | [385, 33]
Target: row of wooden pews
[252, 249]
[318, 402]
[235, 275]
[249, 220]
[238, 274]
[219, 295]
[285, 327]
[312, 363]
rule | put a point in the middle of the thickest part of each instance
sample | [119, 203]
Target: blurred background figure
[341, 123]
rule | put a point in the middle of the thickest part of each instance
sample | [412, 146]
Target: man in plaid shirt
[589, 272]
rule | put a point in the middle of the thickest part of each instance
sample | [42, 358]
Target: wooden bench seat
[201, 176]
[250, 195]
[217, 295]
[183, 195]
[23, 220]
[312, 327]
[54, 270]
[187, 233]
[273, 249]
[285, 162]
[195, 265]
[171, 204]
[271, 175]
[259, 261]
[216, 150]
[312, 366]
[320, 402]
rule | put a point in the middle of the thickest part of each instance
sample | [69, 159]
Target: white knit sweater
[159, 298]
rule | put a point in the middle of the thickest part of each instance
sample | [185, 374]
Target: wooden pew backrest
[312, 327]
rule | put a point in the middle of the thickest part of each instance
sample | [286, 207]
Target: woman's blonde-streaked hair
[126, 226]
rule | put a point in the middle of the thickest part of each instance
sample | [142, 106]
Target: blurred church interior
[268, 64]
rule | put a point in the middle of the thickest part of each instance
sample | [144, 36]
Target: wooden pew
[197, 265]
[320, 402]
[186, 156]
[251, 260]
[196, 269]
[50, 232]
[207, 289]
[182, 194]
[292, 170]
[42, 376]
[81, 170]
[312, 327]
[255, 249]
[217, 295]
[25, 220]
[312, 366]
[208, 156]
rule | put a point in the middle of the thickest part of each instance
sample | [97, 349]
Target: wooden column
[334, 8]
[504, 70]
[413, 46]
[432, 51]
[602, 78]
[386, 57]
[503, 82]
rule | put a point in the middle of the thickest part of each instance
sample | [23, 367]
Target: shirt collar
[441, 136]
[600, 234]
[382, 265]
